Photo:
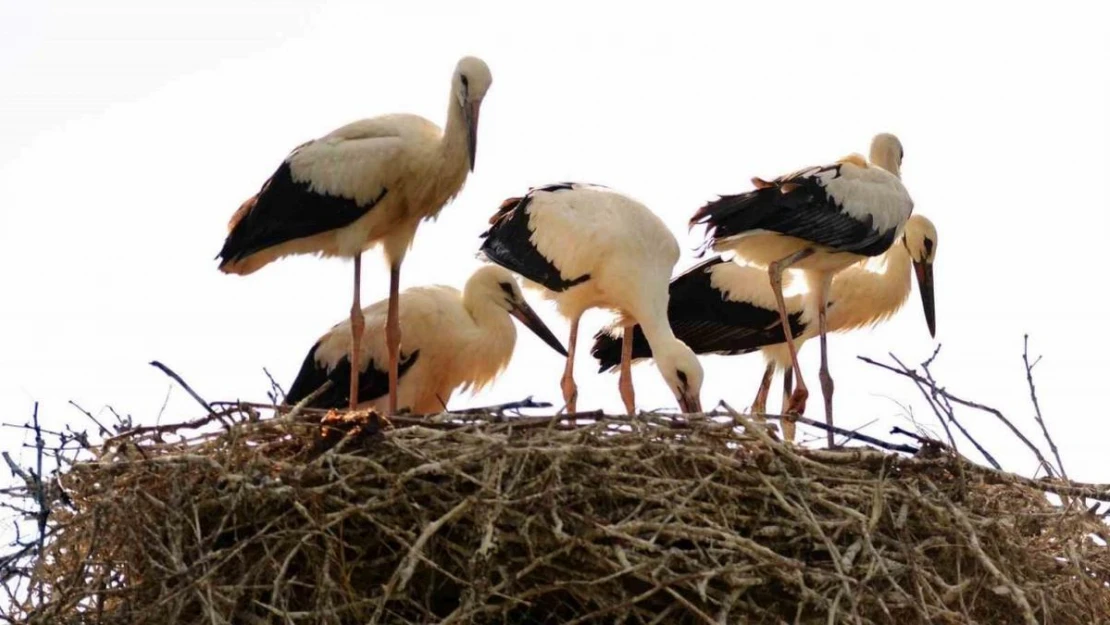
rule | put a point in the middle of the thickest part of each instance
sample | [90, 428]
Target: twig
[500, 409]
[913, 375]
[103, 430]
[275, 388]
[848, 434]
[184, 385]
[40, 491]
[941, 405]
[1037, 405]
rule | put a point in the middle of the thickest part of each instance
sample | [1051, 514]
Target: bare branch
[1037, 404]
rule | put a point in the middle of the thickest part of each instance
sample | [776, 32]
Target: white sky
[132, 130]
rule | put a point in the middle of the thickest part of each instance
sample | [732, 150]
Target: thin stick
[1037, 405]
[849, 434]
[913, 375]
[103, 430]
[932, 396]
[188, 389]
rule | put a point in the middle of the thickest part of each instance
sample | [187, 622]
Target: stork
[819, 220]
[371, 182]
[721, 307]
[453, 341]
[586, 246]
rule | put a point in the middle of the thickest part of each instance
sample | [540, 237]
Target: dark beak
[924, 273]
[470, 113]
[532, 321]
[690, 404]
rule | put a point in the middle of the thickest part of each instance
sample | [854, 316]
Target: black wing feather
[796, 205]
[702, 318]
[372, 383]
[508, 242]
[284, 210]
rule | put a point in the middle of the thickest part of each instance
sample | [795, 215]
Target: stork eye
[929, 244]
[507, 288]
[682, 379]
[465, 81]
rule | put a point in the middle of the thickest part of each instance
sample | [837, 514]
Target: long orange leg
[628, 394]
[789, 426]
[570, 390]
[798, 399]
[393, 335]
[759, 406]
[826, 379]
[358, 323]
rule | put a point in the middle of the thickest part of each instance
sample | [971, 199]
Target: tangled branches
[472, 518]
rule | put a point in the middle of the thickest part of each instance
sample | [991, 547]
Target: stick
[1037, 405]
[849, 434]
[527, 402]
[967, 403]
[934, 399]
[188, 389]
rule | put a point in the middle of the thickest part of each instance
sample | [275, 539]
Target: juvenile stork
[585, 246]
[453, 340]
[721, 307]
[367, 183]
[819, 220]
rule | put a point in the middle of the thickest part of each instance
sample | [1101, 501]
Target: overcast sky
[131, 130]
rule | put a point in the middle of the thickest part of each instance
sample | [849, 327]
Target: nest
[652, 519]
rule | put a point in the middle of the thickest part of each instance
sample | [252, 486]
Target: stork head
[682, 372]
[496, 285]
[887, 152]
[920, 239]
[471, 81]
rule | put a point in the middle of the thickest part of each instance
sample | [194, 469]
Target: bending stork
[370, 182]
[585, 246]
[452, 340]
[721, 307]
[819, 220]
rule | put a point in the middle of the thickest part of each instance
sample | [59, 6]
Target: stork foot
[570, 394]
[797, 404]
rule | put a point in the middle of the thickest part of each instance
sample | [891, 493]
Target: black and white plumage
[819, 220]
[722, 307]
[586, 246]
[711, 316]
[455, 341]
[371, 182]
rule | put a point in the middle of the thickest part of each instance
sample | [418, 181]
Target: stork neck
[455, 133]
[860, 296]
[657, 331]
[482, 310]
[885, 158]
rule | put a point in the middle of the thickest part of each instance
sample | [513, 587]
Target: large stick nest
[482, 520]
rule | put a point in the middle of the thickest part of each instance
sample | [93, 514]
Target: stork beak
[924, 273]
[690, 404]
[532, 321]
[470, 113]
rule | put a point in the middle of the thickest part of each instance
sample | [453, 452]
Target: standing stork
[819, 220]
[721, 307]
[585, 246]
[452, 340]
[367, 183]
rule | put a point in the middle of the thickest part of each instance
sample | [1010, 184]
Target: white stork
[585, 246]
[819, 220]
[721, 307]
[370, 182]
[452, 340]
